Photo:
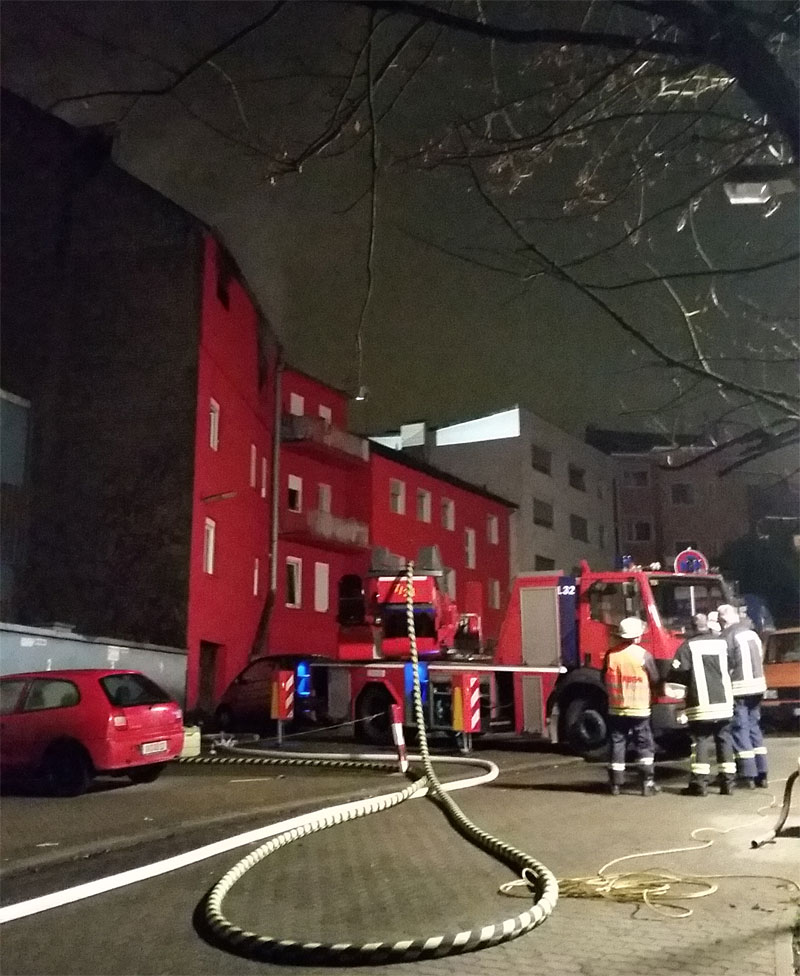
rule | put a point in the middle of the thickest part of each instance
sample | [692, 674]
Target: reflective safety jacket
[701, 663]
[745, 660]
[629, 672]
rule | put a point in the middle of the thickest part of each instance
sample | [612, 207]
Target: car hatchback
[71, 725]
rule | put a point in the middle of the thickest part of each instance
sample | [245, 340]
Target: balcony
[317, 528]
[315, 437]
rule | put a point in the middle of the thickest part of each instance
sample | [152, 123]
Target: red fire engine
[541, 677]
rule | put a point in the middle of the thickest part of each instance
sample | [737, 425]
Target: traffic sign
[691, 561]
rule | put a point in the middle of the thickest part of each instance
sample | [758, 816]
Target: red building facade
[232, 491]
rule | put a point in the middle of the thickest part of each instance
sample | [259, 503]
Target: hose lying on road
[541, 883]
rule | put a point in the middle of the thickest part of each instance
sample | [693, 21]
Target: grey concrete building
[564, 488]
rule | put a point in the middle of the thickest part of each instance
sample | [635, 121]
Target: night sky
[444, 337]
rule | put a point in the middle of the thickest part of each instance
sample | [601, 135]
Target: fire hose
[540, 881]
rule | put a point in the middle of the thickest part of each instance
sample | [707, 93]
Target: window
[51, 693]
[542, 563]
[294, 579]
[255, 576]
[397, 496]
[9, 695]
[542, 513]
[295, 496]
[209, 540]
[213, 425]
[636, 479]
[297, 405]
[639, 530]
[324, 498]
[253, 465]
[423, 505]
[325, 413]
[450, 583]
[577, 477]
[448, 514]
[132, 690]
[492, 529]
[682, 494]
[578, 528]
[601, 536]
[494, 594]
[610, 602]
[469, 548]
[321, 587]
[263, 477]
[541, 459]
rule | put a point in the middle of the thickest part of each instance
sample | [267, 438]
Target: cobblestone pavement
[406, 873]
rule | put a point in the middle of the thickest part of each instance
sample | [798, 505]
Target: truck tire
[585, 727]
[66, 769]
[373, 709]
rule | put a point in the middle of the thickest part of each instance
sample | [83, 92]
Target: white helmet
[727, 614]
[631, 628]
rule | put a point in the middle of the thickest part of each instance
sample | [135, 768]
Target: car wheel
[585, 728]
[146, 774]
[372, 711]
[67, 770]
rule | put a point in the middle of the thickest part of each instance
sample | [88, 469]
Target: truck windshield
[395, 621]
[678, 598]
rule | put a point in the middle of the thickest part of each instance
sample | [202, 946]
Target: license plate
[148, 748]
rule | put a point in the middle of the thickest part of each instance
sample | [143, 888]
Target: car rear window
[127, 690]
[9, 695]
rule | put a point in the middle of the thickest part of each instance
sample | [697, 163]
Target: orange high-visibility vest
[627, 682]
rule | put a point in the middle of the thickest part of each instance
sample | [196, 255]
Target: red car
[70, 725]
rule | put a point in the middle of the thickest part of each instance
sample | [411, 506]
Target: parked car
[69, 726]
[246, 702]
[780, 707]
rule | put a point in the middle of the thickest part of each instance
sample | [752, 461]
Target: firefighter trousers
[622, 730]
[707, 737]
[748, 742]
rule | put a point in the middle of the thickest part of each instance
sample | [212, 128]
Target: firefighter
[701, 663]
[745, 662]
[629, 673]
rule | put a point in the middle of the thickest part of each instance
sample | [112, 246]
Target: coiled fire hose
[541, 882]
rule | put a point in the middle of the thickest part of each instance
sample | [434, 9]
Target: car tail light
[119, 721]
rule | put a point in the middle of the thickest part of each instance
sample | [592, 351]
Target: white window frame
[297, 405]
[324, 497]
[297, 566]
[322, 587]
[256, 575]
[494, 594]
[263, 477]
[213, 425]
[448, 514]
[469, 548]
[295, 483]
[423, 505]
[209, 545]
[253, 465]
[326, 413]
[397, 493]
[493, 530]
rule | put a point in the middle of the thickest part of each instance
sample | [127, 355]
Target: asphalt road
[397, 874]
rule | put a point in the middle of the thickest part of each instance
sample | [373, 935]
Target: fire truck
[541, 677]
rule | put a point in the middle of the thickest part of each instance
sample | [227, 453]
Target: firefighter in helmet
[629, 673]
[701, 663]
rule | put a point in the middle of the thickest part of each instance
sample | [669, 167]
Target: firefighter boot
[649, 787]
[726, 787]
[697, 788]
[762, 781]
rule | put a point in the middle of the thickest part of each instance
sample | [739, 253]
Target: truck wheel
[67, 770]
[372, 711]
[585, 728]
[146, 774]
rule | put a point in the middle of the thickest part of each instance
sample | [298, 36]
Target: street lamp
[759, 184]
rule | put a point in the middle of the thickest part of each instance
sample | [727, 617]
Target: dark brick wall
[102, 338]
